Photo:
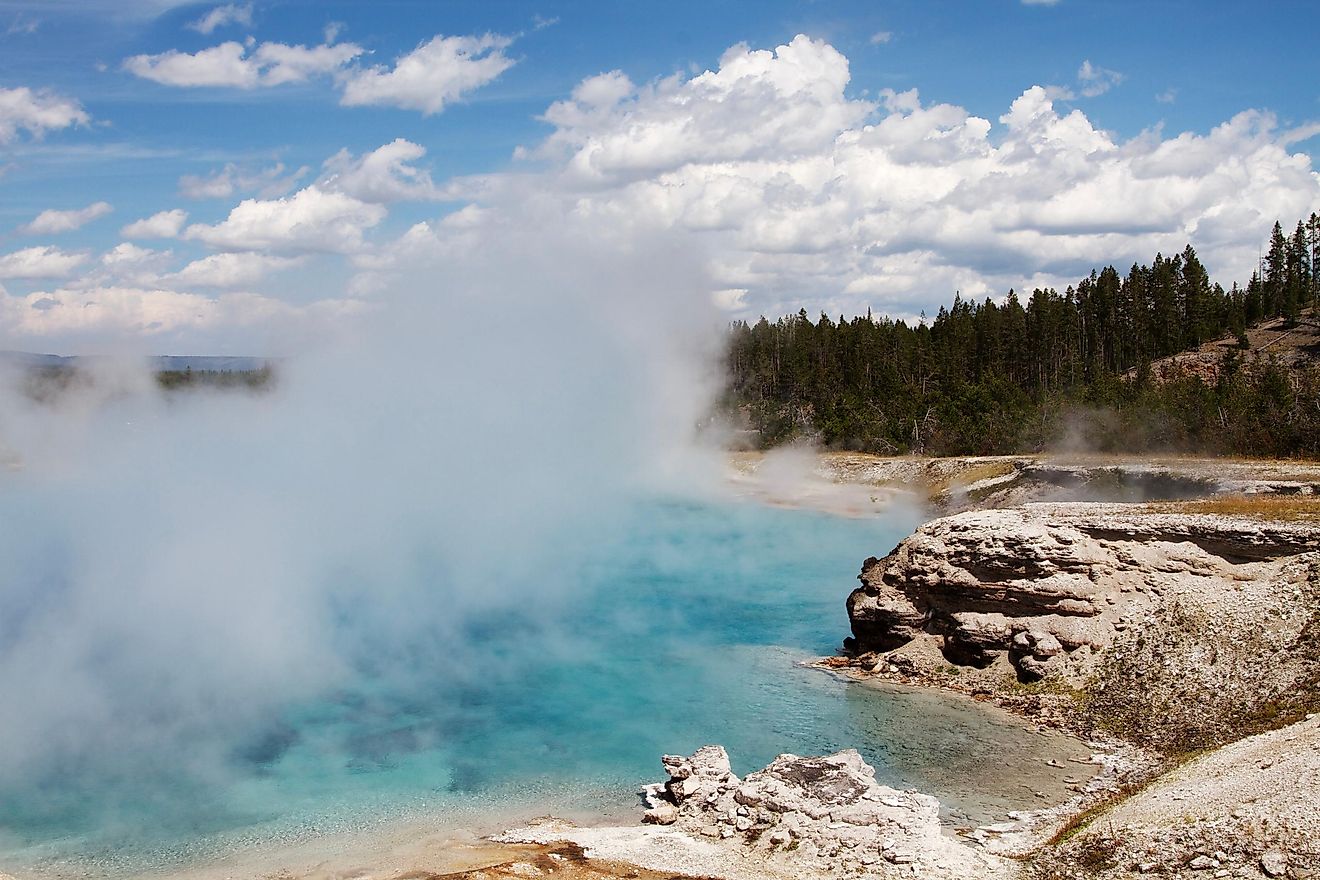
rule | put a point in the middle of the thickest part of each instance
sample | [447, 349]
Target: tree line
[1012, 376]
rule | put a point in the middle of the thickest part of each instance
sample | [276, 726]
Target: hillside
[1296, 348]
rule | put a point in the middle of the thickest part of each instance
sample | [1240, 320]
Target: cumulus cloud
[124, 265]
[805, 197]
[163, 224]
[130, 312]
[783, 103]
[438, 72]
[798, 195]
[127, 264]
[128, 254]
[52, 222]
[384, 175]
[882, 38]
[311, 220]
[37, 112]
[221, 184]
[230, 270]
[220, 16]
[40, 262]
[236, 65]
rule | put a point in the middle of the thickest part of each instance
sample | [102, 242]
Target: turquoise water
[687, 629]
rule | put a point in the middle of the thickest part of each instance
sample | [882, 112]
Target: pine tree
[1194, 291]
[1313, 232]
[1276, 273]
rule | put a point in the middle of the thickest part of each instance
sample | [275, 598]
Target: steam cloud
[178, 571]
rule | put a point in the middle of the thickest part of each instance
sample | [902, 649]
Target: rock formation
[1198, 626]
[798, 817]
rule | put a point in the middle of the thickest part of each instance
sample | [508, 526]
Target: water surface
[688, 629]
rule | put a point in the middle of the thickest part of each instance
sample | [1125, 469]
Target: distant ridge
[161, 363]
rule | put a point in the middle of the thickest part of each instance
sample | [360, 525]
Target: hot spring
[689, 627]
[462, 562]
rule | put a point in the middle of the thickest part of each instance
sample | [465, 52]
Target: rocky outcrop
[798, 817]
[1190, 627]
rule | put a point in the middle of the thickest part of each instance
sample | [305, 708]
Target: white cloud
[128, 254]
[881, 38]
[126, 264]
[232, 64]
[730, 299]
[52, 222]
[311, 220]
[757, 104]
[804, 197]
[220, 16]
[383, 175]
[791, 192]
[1168, 96]
[1092, 81]
[123, 311]
[40, 262]
[115, 309]
[438, 72]
[164, 224]
[1095, 80]
[37, 112]
[265, 182]
[230, 270]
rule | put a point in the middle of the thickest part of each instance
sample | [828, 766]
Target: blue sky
[133, 133]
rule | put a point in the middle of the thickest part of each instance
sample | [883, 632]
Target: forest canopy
[1089, 367]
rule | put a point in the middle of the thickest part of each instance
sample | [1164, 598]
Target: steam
[179, 571]
[797, 476]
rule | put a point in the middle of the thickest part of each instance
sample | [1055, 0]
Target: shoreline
[1116, 764]
[446, 844]
[1171, 629]
[607, 844]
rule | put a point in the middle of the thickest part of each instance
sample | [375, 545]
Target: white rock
[1274, 863]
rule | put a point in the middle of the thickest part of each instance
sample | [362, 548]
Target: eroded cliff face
[1180, 631]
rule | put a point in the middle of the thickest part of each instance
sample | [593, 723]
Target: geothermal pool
[687, 629]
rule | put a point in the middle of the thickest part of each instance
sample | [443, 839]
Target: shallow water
[688, 630]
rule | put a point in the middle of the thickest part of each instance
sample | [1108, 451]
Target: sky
[254, 177]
